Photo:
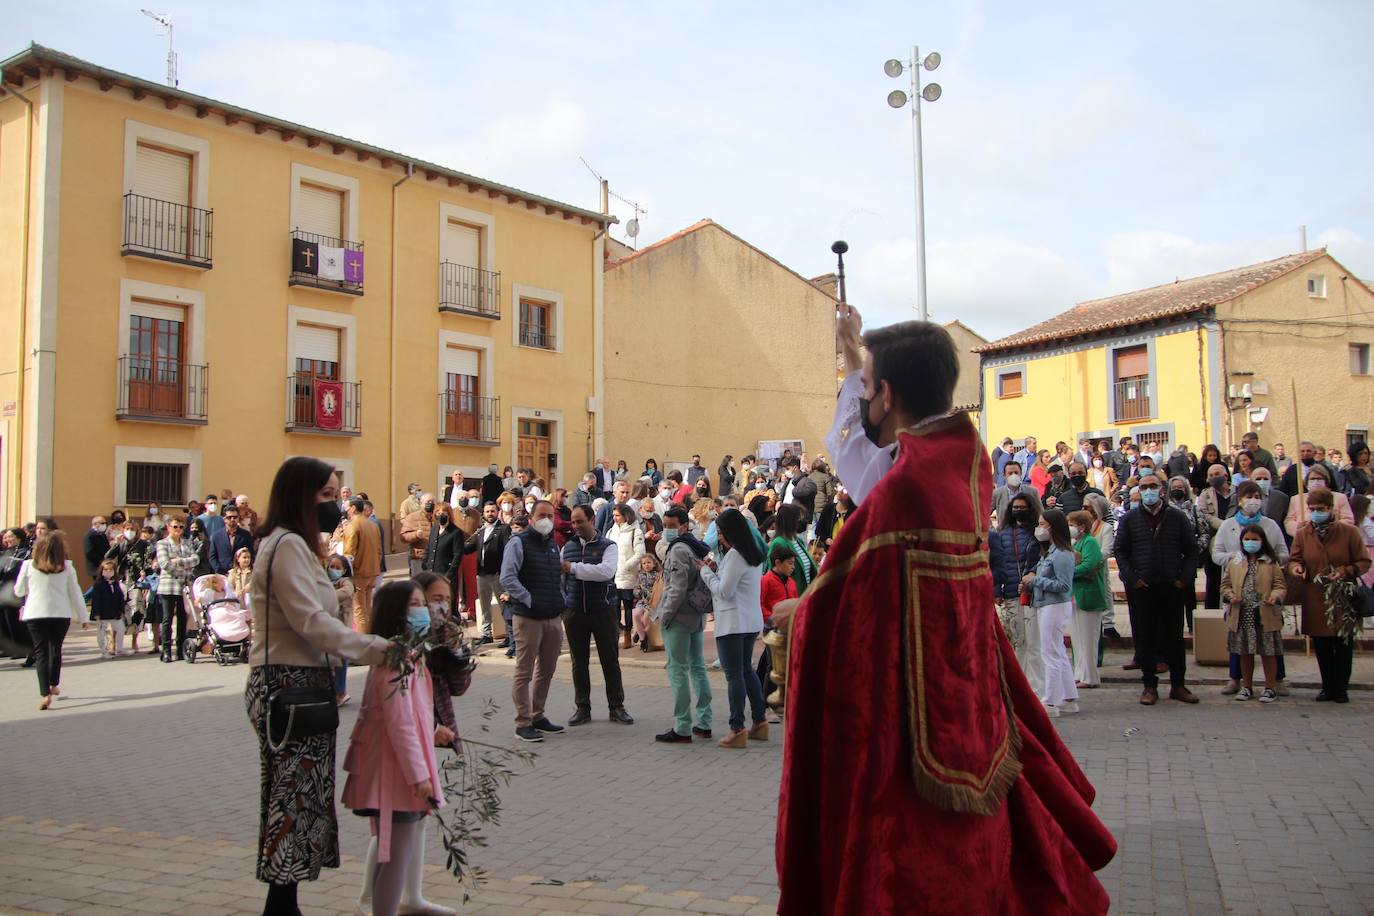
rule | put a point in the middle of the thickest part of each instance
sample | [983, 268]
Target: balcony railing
[1132, 399]
[166, 231]
[468, 418]
[536, 334]
[323, 406]
[324, 262]
[469, 290]
[163, 390]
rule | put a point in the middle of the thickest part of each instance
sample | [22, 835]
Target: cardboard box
[1209, 637]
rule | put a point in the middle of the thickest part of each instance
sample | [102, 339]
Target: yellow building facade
[712, 347]
[194, 292]
[1198, 361]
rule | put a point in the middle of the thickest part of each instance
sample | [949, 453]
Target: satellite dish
[896, 98]
[931, 92]
[893, 67]
[632, 228]
[932, 60]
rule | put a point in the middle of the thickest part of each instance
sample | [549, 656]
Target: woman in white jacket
[48, 581]
[739, 618]
[629, 541]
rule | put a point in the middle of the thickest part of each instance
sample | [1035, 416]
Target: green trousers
[687, 663]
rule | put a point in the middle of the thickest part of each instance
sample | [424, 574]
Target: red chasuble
[921, 773]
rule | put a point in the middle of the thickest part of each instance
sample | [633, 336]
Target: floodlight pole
[920, 183]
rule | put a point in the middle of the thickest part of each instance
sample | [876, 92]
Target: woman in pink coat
[392, 774]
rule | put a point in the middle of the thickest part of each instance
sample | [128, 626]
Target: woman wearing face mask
[1226, 546]
[1014, 553]
[1101, 476]
[155, 520]
[200, 543]
[448, 545]
[1254, 593]
[295, 637]
[1317, 479]
[1325, 546]
[1051, 587]
[1181, 498]
[651, 472]
[340, 573]
[788, 524]
[630, 547]
[1217, 503]
[833, 517]
[1090, 598]
[702, 490]
[1210, 455]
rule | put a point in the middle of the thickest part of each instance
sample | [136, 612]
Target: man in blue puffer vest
[589, 565]
[530, 578]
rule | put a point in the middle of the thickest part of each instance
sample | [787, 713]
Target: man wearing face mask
[363, 546]
[1307, 459]
[531, 579]
[1014, 487]
[210, 518]
[488, 544]
[411, 503]
[94, 546]
[589, 565]
[1275, 500]
[1076, 492]
[415, 532]
[1156, 556]
[1217, 504]
[889, 729]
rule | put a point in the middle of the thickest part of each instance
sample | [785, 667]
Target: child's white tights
[410, 896]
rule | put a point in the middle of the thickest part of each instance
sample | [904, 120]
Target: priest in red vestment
[921, 773]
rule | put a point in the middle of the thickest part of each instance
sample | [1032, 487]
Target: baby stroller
[220, 621]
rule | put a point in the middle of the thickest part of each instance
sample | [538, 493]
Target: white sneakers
[1068, 707]
[1243, 694]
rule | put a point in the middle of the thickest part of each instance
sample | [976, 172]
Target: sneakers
[1243, 694]
[483, 641]
[672, 737]
[544, 725]
[581, 717]
[1268, 696]
[1052, 712]
[529, 733]
[1069, 707]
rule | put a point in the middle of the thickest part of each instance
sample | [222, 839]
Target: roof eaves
[109, 78]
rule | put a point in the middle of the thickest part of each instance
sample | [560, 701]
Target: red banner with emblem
[329, 405]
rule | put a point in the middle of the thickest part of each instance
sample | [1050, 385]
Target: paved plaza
[138, 794]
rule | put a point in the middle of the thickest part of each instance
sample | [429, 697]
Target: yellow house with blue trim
[1196, 361]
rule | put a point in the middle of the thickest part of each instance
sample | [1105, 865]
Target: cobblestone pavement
[138, 793]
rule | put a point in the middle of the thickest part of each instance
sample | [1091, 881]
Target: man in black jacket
[489, 543]
[94, 546]
[1156, 557]
[589, 563]
[1072, 497]
[225, 544]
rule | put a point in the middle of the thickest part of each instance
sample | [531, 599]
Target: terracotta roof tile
[1182, 297]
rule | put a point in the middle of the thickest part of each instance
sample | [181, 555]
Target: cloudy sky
[1080, 149]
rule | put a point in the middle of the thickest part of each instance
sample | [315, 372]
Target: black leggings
[625, 597]
[48, 633]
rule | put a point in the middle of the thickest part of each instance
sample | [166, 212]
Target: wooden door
[307, 370]
[156, 375]
[460, 407]
[532, 450]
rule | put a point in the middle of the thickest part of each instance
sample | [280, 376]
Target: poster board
[770, 451]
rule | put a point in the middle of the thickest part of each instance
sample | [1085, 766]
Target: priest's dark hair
[919, 361]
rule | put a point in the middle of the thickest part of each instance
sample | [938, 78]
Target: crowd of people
[1265, 529]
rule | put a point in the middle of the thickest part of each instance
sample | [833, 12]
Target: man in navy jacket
[228, 541]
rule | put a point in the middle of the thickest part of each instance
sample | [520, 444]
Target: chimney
[1302, 236]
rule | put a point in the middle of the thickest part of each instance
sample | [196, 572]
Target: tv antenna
[632, 227]
[165, 21]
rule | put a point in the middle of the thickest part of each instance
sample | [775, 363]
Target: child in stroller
[222, 621]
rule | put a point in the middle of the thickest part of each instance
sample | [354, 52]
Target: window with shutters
[1131, 385]
[466, 284]
[1359, 359]
[1009, 385]
[466, 416]
[325, 253]
[165, 214]
[157, 381]
[320, 395]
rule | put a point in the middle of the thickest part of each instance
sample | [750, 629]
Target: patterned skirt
[1250, 637]
[299, 831]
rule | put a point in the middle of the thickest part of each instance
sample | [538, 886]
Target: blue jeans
[736, 653]
[341, 677]
[687, 661]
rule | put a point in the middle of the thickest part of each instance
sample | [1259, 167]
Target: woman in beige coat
[1326, 546]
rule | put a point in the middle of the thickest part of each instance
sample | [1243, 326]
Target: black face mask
[1020, 516]
[1309, 461]
[328, 513]
[429, 508]
[872, 430]
[1179, 496]
[442, 518]
[1079, 481]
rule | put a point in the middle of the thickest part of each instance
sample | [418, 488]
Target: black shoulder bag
[294, 713]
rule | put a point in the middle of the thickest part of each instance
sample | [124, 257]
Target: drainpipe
[391, 419]
[20, 338]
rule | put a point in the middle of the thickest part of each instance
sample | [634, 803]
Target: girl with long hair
[1051, 592]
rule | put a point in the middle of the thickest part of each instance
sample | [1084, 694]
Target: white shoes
[1243, 694]
[1069, 707]
[1052, 712]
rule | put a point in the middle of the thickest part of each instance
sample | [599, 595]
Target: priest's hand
[783, 612]
[850, 331]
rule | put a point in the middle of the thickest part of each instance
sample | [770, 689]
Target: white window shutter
[319, 210]
[462, 244]
[162, 174]
[314, 342]
[460, 361]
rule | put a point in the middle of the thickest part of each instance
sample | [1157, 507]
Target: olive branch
[1338, 595]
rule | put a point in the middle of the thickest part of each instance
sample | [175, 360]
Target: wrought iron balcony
[316, 405]
[1131, 396]
[324, 262]
[469, 290]
[162, 390]
[167, 231]
[468, 419]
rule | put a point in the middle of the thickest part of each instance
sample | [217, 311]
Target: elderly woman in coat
[1325, 546]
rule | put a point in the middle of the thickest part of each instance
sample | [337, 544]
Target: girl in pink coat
[392, 775]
